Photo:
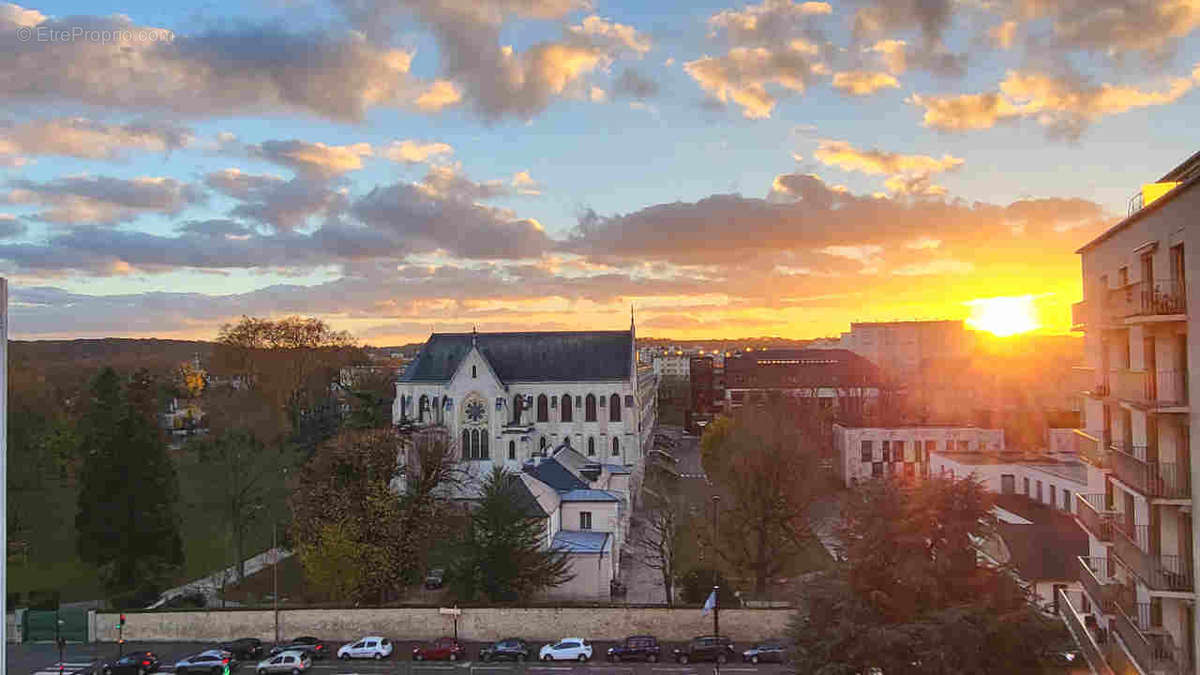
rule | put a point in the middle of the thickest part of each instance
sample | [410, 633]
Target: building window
[887, 450]
[614, 408]
[474, 373]
[628, 400]
[877, 469]
[474, 444]
[542, 444]
[1066, 499]
[616, 447]
[866, 451]
[483, 444]
[565, 410]
[1025, 484]
[466, 444]
[585, 520]
[1039, 492]
[910, 470]
[591, 446]
[543, 408]
[1008, 483]
[930, 446]
[518, 404]
[589, 408]
[422, 406]
[898, 451]
[512, 450]
[964, 446]
[1053, 495]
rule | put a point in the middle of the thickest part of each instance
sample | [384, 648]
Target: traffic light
[122, 624]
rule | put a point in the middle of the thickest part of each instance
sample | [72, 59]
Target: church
[570, 413]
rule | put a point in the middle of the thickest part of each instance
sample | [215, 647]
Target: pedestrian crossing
[66, 668]
[693, 475]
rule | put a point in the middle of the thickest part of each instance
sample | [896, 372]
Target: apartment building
[862, 453]
[902, 348]
[1139, 577]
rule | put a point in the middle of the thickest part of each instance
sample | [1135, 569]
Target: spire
[474, 335]
[631, 316]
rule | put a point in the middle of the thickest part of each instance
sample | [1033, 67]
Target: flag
[709, 603]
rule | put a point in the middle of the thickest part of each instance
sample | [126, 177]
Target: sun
[1003, 316]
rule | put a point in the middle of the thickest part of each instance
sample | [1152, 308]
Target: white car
[371, 647]
[567, 649]
[284, 662]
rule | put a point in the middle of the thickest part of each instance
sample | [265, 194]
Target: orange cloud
[862, 82]
[741, 76]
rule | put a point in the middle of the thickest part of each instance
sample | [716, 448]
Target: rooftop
[582, 541]
[1044, 549]
[589, 496]
[529, 356]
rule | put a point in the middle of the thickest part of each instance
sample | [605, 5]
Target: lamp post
[716, 501]
[275, 574]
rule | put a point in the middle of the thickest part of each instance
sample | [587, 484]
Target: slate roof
[529, 502]
[618, 469]
[589, 496]
[1045, 550]
[582, 541]
[550, 472]
[799, 368]
[529, 357]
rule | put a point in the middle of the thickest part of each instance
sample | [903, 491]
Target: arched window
[591, 446]
[589, 408]
[422, 406]
[512, 449]
[475, 444]
[614, 408]
[566, 407]
[466, 444]
[474, 374]
[542, 444]
[543, 408]
[436, 413]
[616, 447]
[483, 444]
[518, 403]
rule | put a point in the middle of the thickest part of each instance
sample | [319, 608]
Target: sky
[721, 169]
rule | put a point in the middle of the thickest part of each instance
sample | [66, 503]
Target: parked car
[370, 647]
[567, 649]
[441, 649]
[307, 645]
[435, 578]
[508, 649]
[636, 648]
[209, 661]
[137, 663]
[773, 652]
[244, 649]
[706, 648]
[285, 662]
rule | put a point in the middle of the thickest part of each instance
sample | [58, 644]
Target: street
[42, 659]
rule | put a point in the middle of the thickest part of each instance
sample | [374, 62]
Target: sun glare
[1003, 316]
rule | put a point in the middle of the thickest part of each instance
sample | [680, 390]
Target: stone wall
[483, 624]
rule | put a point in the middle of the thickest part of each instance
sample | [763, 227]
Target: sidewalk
[210, 586]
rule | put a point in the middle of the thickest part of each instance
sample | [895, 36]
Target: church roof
[567, 356]
[551, 472]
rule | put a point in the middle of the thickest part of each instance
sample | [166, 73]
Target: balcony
[1150, 645]
[1154, 389]
[1095, 515]
[1155, 480]
[1076, 625]
[1160, 298]
[1079, 315]
[1091, 450]
[1159, 572]
[1096, 576]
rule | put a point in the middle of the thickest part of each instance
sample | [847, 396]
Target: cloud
[315, 160]
[524, 184]
[935, 268]
[414, 152]
[618, 36]
[102, 200]
[1004, 34]
[1065, 106]
[10, 226]
[1109, 27]
[449, 182]
[439, 94]
[907, 174]
[88, 139]
[930, 18]
[893, 55]
[240, 70]
[281, 203]
[773, 22]
[630, 84]
[863, 83]
[741, 76]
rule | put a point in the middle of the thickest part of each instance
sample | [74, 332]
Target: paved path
[210, 585]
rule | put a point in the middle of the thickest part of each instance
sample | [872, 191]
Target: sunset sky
[731, 170]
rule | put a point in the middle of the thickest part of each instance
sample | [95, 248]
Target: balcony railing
[1168, 388]
[1156, 480]
[1122, 302]
[1150, 645]
[1161, 297]
[1096, 576]
[1130, 385]
[1096, 515]
[1091, 450]
[1092, 652]
[1079, 315]
[1160, 572]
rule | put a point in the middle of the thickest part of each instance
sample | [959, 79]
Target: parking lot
[42, 659]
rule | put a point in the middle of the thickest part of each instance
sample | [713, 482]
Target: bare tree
[658, 542]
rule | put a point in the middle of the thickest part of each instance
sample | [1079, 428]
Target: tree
[370, 397]
[911, 596]
[659, 540]
[331, 557]
[770, 474]
[126, 520]
[503, 557]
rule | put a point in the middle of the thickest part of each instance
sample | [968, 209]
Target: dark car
[510, 649]
[706, 648]
[312, 646]
[435, 578]
[636, 648]
[211, 661]
[137, 663]
[244, 649]
[441, 649]
[772, 652]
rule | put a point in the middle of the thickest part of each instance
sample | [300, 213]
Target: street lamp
[716, 501]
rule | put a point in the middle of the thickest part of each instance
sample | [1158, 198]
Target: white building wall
[848, 445]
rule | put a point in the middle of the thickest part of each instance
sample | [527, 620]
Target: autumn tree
[768, 470]
[660, 538]
[126, 519]
[503, 556]
[911, 595]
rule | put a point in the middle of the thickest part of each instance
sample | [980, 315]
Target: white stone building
[862, 453]
[676, 366]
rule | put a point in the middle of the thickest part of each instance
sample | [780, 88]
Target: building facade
[672, 366]
[902, 348]
[862, 453]
[834, 379]
[1140, 577]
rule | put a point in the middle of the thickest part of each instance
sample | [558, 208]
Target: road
[42, 659]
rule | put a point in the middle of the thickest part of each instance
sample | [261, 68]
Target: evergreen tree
[504, 555]
[126, 520]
